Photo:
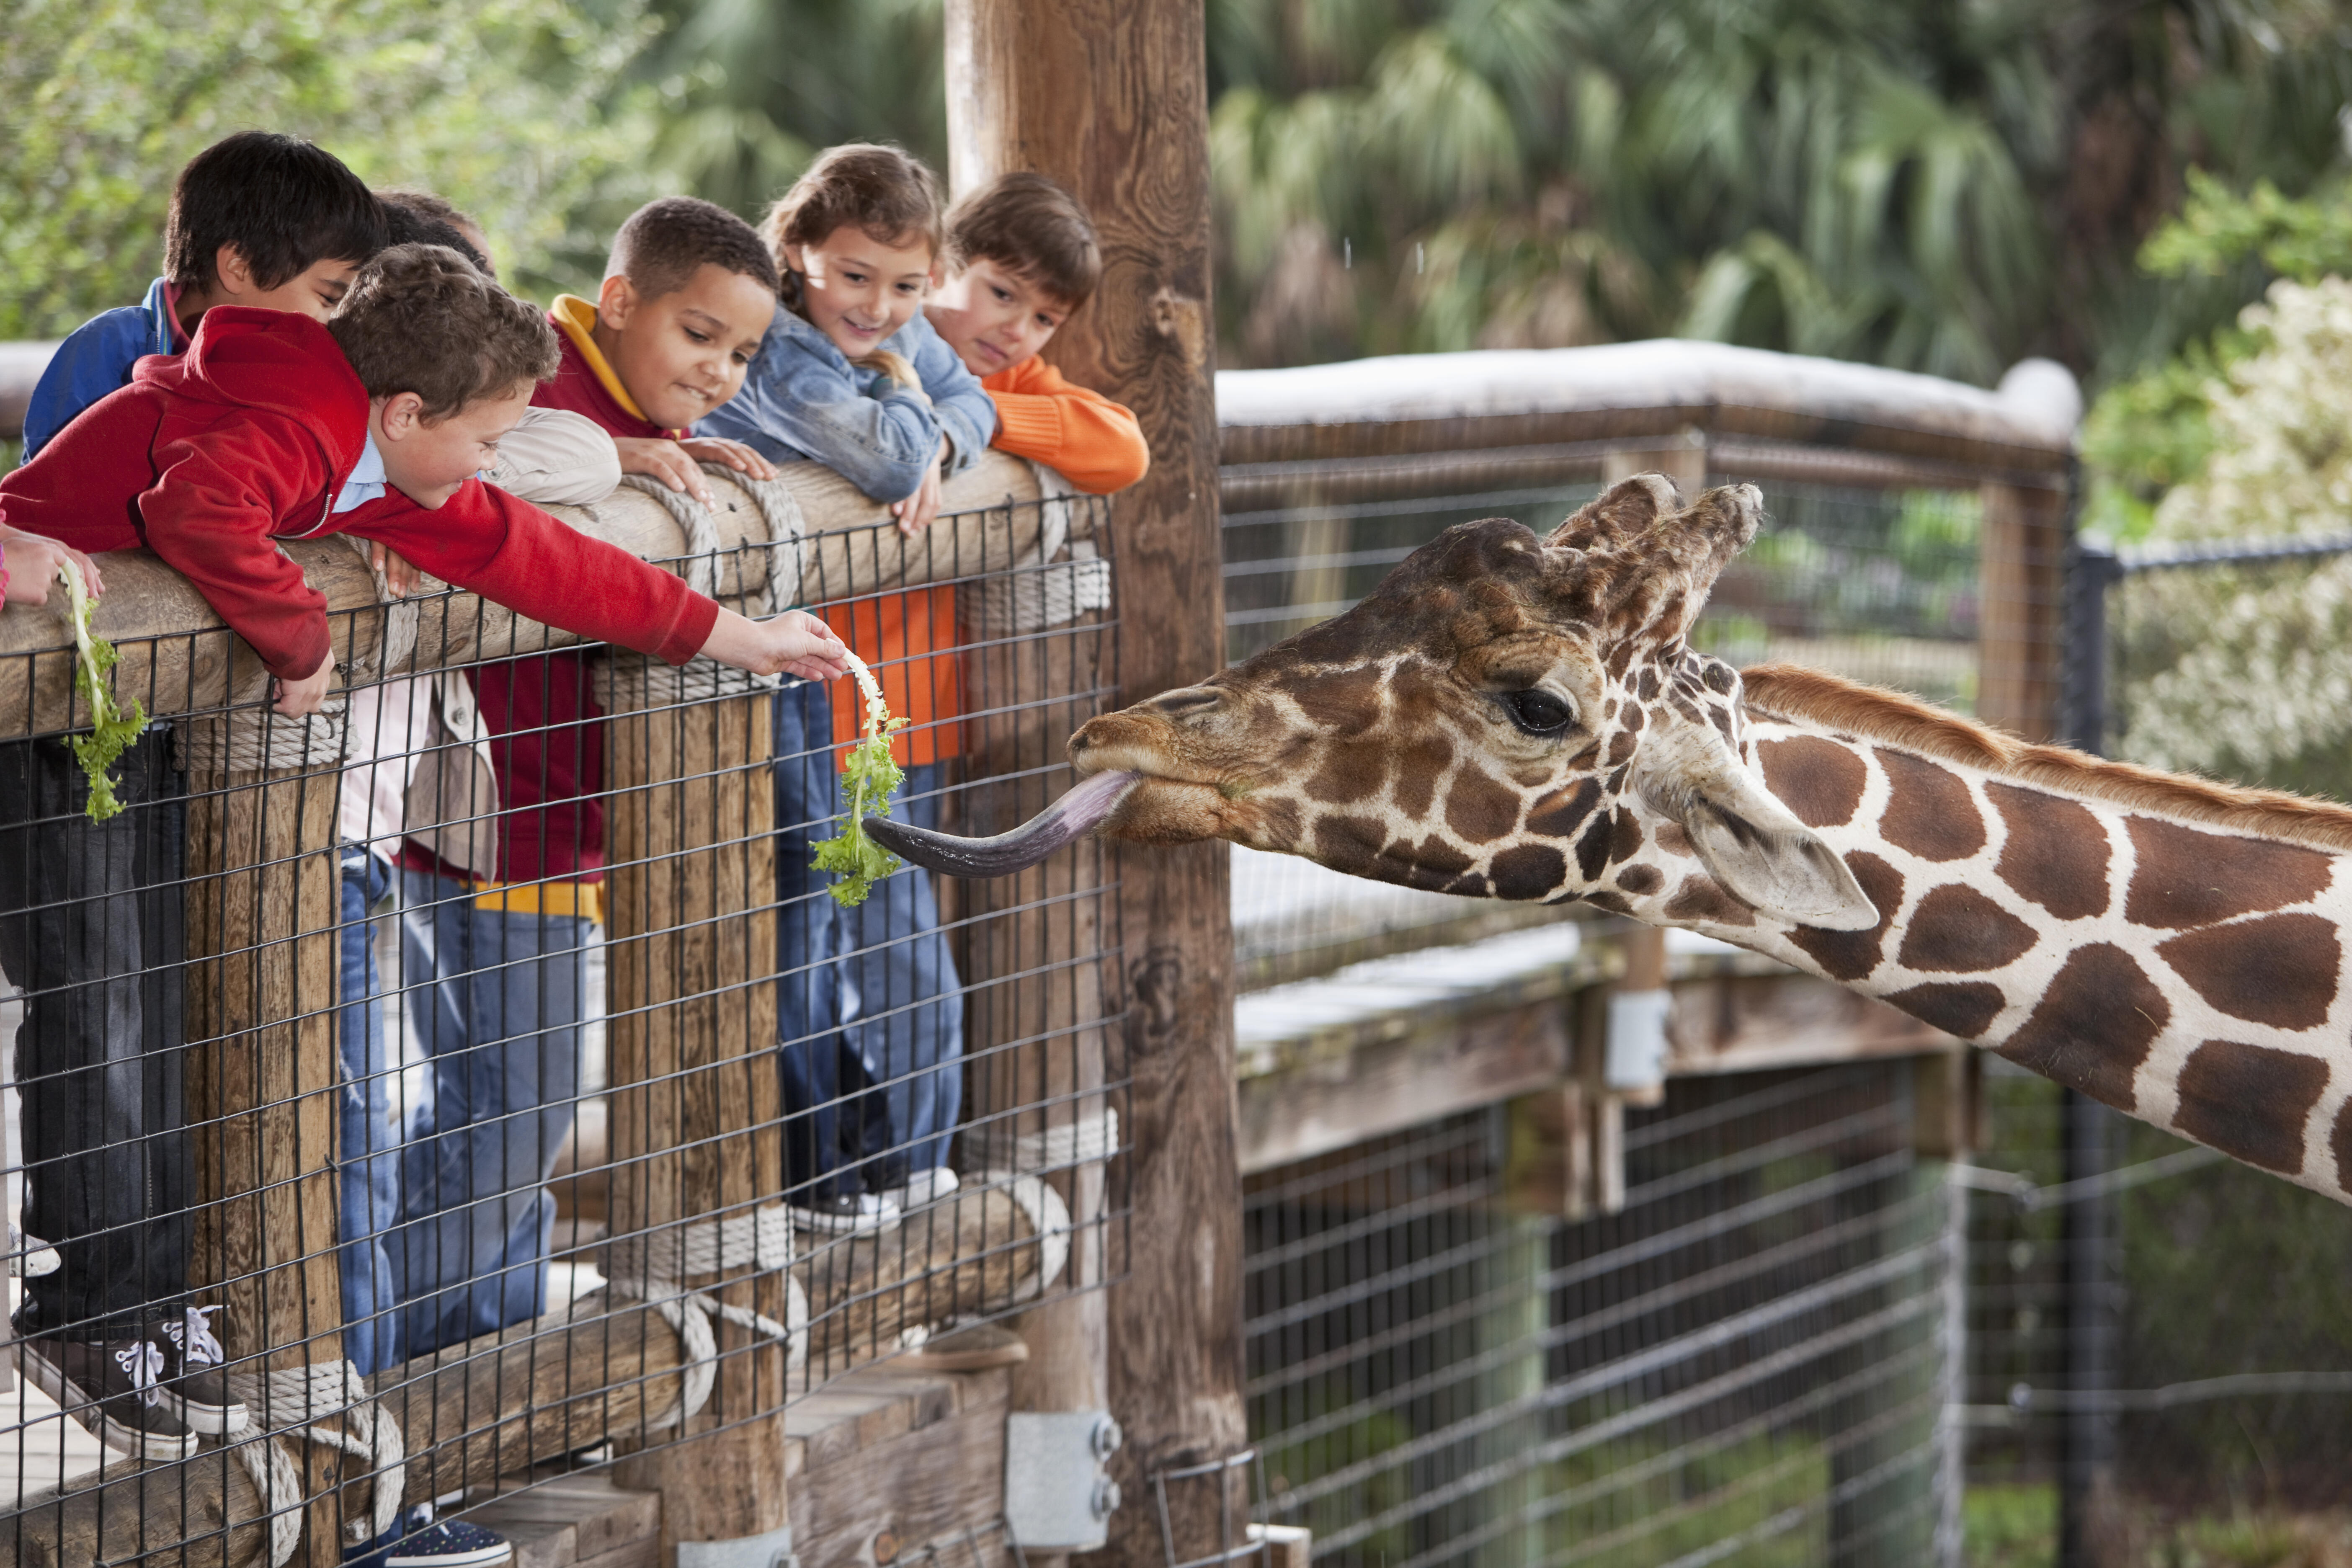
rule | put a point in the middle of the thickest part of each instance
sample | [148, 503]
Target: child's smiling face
[683, 353]
[429, 460]
[994, 317]
[857, 289]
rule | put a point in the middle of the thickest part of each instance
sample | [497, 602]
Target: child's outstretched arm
[28, 566]
[794, 643]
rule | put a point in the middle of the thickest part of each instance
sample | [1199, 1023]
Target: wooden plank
[1111, 97]
[2021, 563]
[1748, 1022]
[924, 1483]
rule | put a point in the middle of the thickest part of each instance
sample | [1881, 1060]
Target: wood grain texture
[695, 1102]
[261, 1081]
[1109, 97]
[2021, 570]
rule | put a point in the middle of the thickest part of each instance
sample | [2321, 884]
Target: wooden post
[261, 911]
[1110, 98]
[694, 1096]
[2021, 564]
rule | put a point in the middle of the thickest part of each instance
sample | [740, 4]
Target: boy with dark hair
[495, 955]
[257, 432]
[1024, 259]
[257, 220]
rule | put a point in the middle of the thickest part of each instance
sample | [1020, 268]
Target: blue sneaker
[418, 1540]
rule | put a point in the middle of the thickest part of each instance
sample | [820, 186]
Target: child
[1025, 260]
[251, 436]
[255, 219]
[853, 376]
[497, 952]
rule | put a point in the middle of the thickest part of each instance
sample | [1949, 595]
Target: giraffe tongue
[1068, 818]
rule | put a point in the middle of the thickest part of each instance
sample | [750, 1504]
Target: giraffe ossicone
[1519, 717]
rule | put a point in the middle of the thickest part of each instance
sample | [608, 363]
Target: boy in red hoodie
[273, 427]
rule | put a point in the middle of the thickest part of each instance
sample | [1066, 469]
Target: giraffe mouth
[1068, 819]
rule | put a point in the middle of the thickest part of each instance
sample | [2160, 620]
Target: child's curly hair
[423, 318]
[886, 191]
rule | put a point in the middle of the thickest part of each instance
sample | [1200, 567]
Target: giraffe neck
[2169, 947]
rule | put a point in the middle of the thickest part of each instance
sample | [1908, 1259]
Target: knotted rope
[292, 1400]
[1072, 1143]
[650, 1267]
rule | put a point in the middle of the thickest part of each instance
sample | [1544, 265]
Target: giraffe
[1517, 718]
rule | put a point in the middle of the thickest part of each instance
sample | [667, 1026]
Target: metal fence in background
[1750, 1363]
[578, 1167]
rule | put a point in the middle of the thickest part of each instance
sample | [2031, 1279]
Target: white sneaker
[861, 1214]
[30, 1257]
[925, 1188]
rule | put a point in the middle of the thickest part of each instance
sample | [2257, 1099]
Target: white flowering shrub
[2247, 672]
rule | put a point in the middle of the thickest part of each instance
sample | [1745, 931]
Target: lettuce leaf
[871, 776]
[112, 730]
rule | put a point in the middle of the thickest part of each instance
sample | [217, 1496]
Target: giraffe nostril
[1189, 702]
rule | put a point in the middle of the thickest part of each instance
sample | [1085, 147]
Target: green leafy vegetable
[869, 780]
[112, 730]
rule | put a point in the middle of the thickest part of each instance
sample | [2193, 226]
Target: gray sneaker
[114, 1390]
[194, 1388]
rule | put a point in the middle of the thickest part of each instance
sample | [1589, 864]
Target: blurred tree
[1944, 188]
[510, 107]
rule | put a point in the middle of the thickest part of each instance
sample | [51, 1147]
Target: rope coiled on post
[307, 1396]
[650, 1267]
[1071, 1143]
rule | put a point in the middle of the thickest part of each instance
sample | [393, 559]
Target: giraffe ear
[1748, 841]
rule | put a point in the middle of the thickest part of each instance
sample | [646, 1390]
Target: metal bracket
[771, 1550]
[1056, 1492]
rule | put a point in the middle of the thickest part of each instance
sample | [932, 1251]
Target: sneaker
[851, 1214]
[30, 1257]
[113, 1390]
[194, 1388]
[924, 1188]
[450, 1544]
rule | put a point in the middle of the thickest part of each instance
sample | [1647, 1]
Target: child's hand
[296, 698]
[664, 461]
[794, 643]
[33, 561]
[399, 574]
[915, 513]
[730, 454]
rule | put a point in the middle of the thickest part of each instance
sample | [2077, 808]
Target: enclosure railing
[635, 1137]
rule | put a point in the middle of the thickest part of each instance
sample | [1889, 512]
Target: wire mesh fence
[477, 1078]
[1751, 1362]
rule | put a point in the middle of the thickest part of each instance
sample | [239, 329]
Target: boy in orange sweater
[1025, 259]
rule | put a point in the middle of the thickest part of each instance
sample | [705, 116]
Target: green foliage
[1672, 1504]
[112, 730]
[868, 780]
[2010, 1525]
[509, 108]
[2218, 229]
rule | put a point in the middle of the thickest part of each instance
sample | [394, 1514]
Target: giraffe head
[1503, 717]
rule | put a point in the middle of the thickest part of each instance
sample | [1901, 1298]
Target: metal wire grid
[1881, 585]
[1039, 985]
[1749, 1363]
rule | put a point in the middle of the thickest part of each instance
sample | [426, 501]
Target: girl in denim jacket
[852, 375]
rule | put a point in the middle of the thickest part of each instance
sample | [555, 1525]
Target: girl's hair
[886, 191]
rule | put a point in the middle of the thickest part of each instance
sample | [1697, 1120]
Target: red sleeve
[219, 494]
[1085, 438]
[484, 539]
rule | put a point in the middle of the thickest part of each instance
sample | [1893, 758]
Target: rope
[626, 680]
[760, 1239]
[306, 1395]
[1048, 1218]
[1072, 1143]
[1039, 591]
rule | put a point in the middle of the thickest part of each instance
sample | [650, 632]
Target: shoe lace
[193, 1335]
[143, 1364]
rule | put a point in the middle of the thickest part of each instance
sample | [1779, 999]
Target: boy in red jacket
[273, 427]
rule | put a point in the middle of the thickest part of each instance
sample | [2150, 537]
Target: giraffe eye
[1539, 712]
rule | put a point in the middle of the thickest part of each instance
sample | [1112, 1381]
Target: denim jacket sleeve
[802, 398]
[95, 360]
[965, 411]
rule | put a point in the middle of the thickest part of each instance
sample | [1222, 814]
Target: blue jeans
[496, 998]
[870, 1009]
[373, 1126]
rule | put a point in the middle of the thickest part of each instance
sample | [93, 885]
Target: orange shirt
[1089, 439]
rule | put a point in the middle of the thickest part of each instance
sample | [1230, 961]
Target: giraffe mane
[1790, 692]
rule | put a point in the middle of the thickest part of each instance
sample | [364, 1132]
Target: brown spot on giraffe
[1624, 837]
[1965, 1009]
[1440, 856]
[2342, 1144]
[1528, 870]
[1820, 781]
[2278, 970]
[1702, 898]
[2093, 1025]
[1350, 844]
[1640, 880]
[2055, 855]
[1620, 748]
[1928, 809]
[1851, 954]
[1560, 812]
[2186, 876]
[1420, 764]
[1672, 840]
[1479, 807]
[1645, 685]
[1959, 931]
[1593, 849]
[1352, 772]
[2249, 1101]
